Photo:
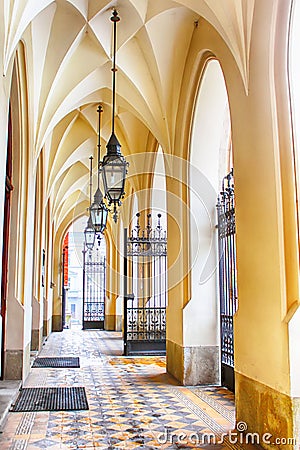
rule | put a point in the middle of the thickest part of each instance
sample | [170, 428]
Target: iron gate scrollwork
[227, 277]
[94, 269]
[145, 289]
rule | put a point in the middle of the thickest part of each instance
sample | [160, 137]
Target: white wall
[158, 199]
[294, 72]
[209, 138]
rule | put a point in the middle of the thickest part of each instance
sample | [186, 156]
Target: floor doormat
[56, 362]
[51, 399]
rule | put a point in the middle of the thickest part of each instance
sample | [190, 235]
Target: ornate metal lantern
[89, 234]
[114, 169]
[98, 210]
[114, 165]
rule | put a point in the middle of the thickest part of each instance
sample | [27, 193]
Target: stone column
[112, 277]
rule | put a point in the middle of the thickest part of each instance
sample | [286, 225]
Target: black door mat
[51, 399]
[56, 362]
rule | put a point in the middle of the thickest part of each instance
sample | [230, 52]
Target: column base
[109, 323]
[17, 364]
[119, 323]
[13, 365]
[36, 339]
[56, 324]
[266, 410]
[193, 366]
[113, 323]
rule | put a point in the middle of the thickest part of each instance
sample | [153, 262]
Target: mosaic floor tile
[133, 402]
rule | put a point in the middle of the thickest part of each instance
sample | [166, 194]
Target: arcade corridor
[173, 138]
[132, 402]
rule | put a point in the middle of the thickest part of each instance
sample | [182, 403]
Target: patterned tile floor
[133, 403]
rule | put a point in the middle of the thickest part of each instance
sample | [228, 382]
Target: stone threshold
[9, 390]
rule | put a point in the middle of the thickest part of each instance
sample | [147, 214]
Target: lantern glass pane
[99, 217]
[114, 179]
[96, 217]
[114, 174]
[89, 234]
[104, 220]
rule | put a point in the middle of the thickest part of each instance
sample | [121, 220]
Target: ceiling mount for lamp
[114, 165]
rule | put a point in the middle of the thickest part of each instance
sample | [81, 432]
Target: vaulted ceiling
[68, 45]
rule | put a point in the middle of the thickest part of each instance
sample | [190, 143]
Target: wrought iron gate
[227, 277]
[94, 269]
[145, 289]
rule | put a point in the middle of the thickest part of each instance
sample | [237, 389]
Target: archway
[18, 252]
[210, 159]
[5, 249]
[293, 72]
[158, 194]
[76, 299]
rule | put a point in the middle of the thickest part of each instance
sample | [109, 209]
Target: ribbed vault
[68, 51]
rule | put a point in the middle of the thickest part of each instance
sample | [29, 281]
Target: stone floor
[133, 403]
[8, 393]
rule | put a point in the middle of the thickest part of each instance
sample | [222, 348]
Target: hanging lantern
[114, 169]
[89, 235]
[114, 165]
[98, 209]
[89, 232]
[99, 212]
